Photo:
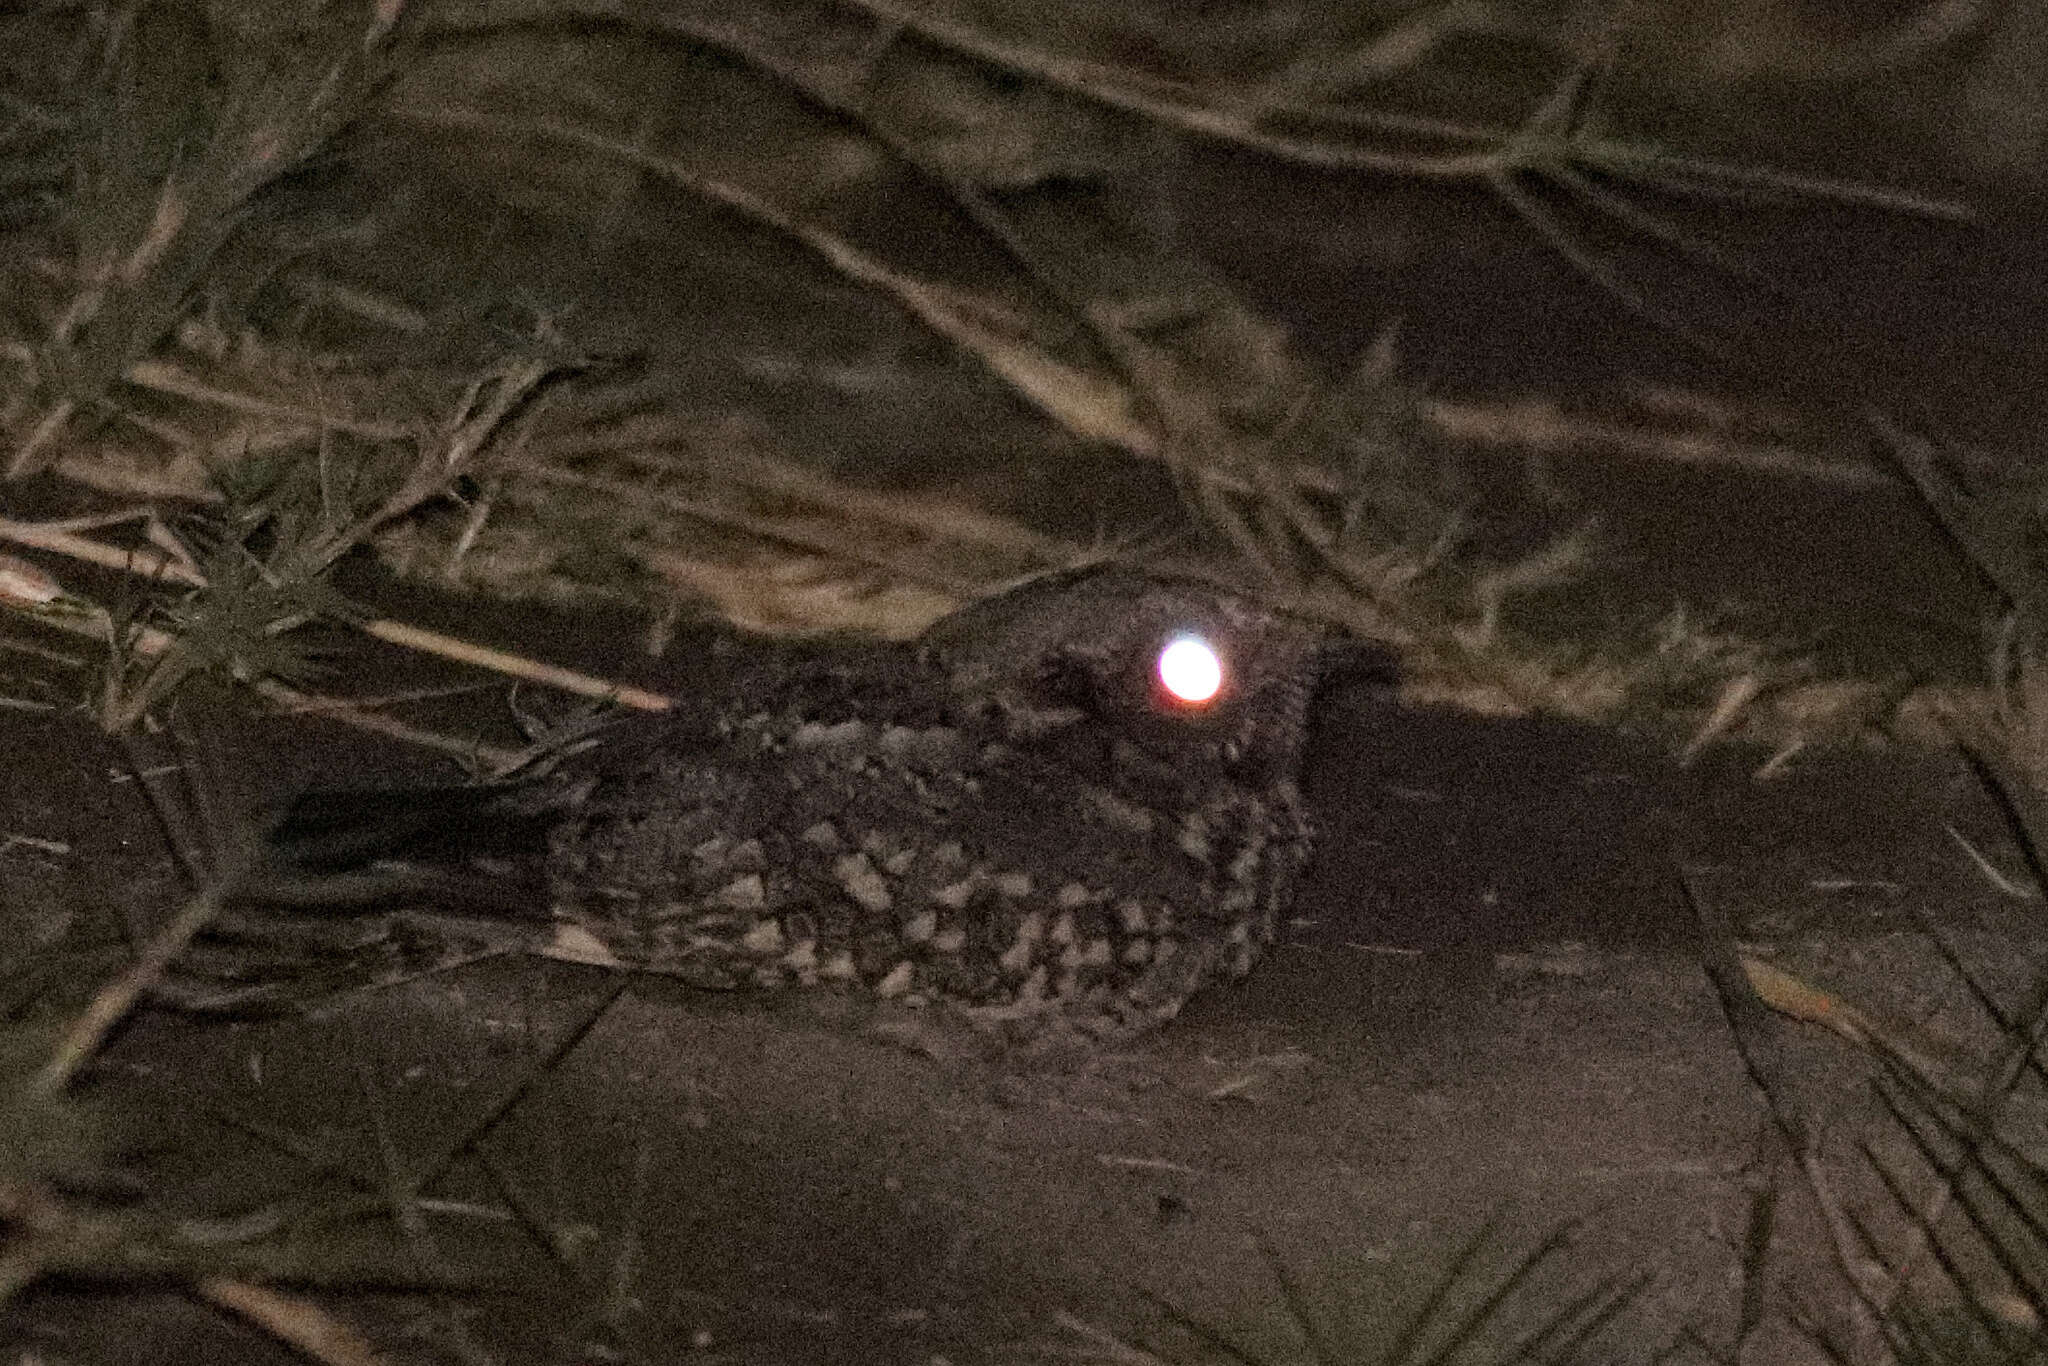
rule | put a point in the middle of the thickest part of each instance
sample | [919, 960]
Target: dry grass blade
[1907, 1329]
[851, 546]
[156, 565]
[1046, 272]
[1306, 1320]
[1103, 1347]
[1481, 1312]
[402, 1184]
[1570, 1327]
[1757, 1036]
[1757, 1234]
[166, 176]
[491, 1114]
[1462, 1316]
[58, 1219]
[1995, 532]
[1191, 109]
[2001, 1190]
[1081, 402]
[292, 1320]
[491, 404]
[1551, 141]
[399, 1191]
[1209, 1335]
[2024, 1029]
[1552, 230]
[83, 1039]
[1188, 109]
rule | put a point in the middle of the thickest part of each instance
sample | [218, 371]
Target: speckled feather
[1007, 816]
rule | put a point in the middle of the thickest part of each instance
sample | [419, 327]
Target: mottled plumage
[1010, 815]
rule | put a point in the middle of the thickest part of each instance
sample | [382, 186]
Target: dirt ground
[1489, 1006]
[1488, 1019]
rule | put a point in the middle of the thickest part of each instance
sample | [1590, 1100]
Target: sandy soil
[1489, 1006]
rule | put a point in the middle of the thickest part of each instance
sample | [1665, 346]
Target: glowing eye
[1189, 669]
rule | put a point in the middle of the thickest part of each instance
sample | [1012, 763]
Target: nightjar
[1073, 804]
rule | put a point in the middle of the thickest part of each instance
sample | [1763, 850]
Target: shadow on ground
[1488, 1004]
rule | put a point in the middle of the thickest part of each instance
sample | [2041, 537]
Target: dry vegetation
[861, 210]
[242, 339]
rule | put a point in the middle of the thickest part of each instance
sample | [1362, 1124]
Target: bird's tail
[340, 830]
[358, 889]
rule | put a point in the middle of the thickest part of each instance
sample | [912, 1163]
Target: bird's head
[1180, 673]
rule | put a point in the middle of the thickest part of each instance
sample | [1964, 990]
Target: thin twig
[155, 564]
[116, 998]
[290, 1319]
[1186, 107]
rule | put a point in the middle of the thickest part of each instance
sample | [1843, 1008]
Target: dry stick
[291, 1319]
[966, 196]
[1554, 234]
[1757, 1036]
[1078, 400]
[513, 666]
[348, 713]
[1540, 424]
[1034, 375]
[151, 641]
[113, 1000]
[931, 517]
[156, 565]
[1133, 369]
[166, 377]
[1995, 1090]
[1182, 106]
[761, 528]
